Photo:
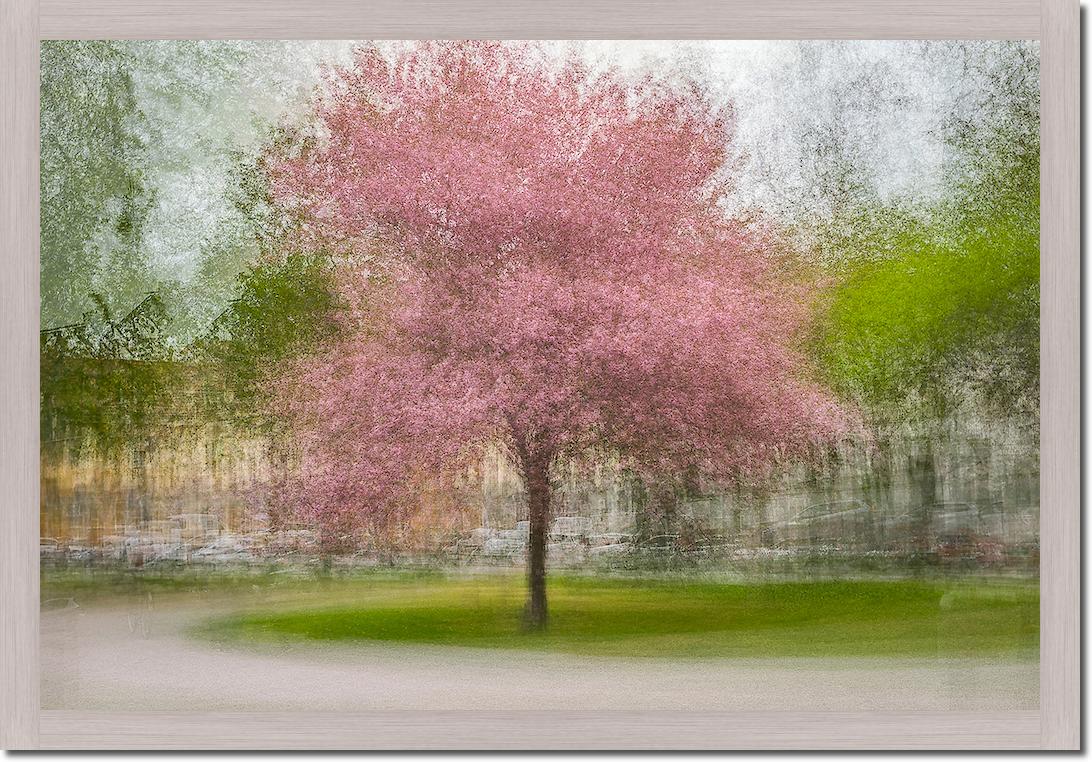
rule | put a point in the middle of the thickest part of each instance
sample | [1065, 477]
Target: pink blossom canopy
[534, 258]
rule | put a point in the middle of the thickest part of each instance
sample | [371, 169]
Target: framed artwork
[543, 377]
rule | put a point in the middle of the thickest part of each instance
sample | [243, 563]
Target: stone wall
[991, 465]
[88, 495]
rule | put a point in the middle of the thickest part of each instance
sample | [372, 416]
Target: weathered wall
[88, 494]
[990, 464]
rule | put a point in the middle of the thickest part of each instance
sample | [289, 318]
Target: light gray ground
[138, 656]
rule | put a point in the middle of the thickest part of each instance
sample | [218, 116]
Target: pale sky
[779, 88]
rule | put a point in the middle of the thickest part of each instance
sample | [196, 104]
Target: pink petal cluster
[535, 259]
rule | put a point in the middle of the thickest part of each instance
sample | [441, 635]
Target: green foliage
[93, 200]
[931, 308]
[285, 304]
[284, 308]
[919, 321]
[108, 380]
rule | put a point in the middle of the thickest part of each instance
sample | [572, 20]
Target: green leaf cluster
[931, 310]
[109, 380]
[285, 308]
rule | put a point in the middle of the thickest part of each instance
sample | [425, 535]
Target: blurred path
[138, 657]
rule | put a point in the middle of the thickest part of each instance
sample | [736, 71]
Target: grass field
[619, 617]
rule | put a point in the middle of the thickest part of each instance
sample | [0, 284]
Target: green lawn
[668, 618]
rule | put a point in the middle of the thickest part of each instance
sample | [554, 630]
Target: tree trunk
[926, 478]
[877, 486]
[538, 505]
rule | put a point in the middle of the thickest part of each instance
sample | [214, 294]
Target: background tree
[284, 309]
[532, 256]
[935, 306]
[284, 305]
[108, 380]
[944, 308]
[94, 200]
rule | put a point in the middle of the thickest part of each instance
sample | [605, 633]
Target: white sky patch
[203, 101]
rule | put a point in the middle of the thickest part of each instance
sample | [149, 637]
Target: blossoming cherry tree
[533, 258]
